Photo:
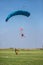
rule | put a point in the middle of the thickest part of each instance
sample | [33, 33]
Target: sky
[10, 34]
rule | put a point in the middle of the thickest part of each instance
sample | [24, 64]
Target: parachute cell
[20, 12]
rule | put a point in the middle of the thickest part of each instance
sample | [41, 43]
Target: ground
[24, 57]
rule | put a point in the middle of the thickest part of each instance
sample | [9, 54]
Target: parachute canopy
[19, 12]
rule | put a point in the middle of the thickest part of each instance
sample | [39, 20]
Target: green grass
[31, 57]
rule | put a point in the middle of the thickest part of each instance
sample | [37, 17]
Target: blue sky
[32, 26]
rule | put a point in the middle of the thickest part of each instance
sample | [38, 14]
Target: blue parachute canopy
[19, 12]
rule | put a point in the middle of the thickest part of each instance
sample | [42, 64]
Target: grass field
[31, 57]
